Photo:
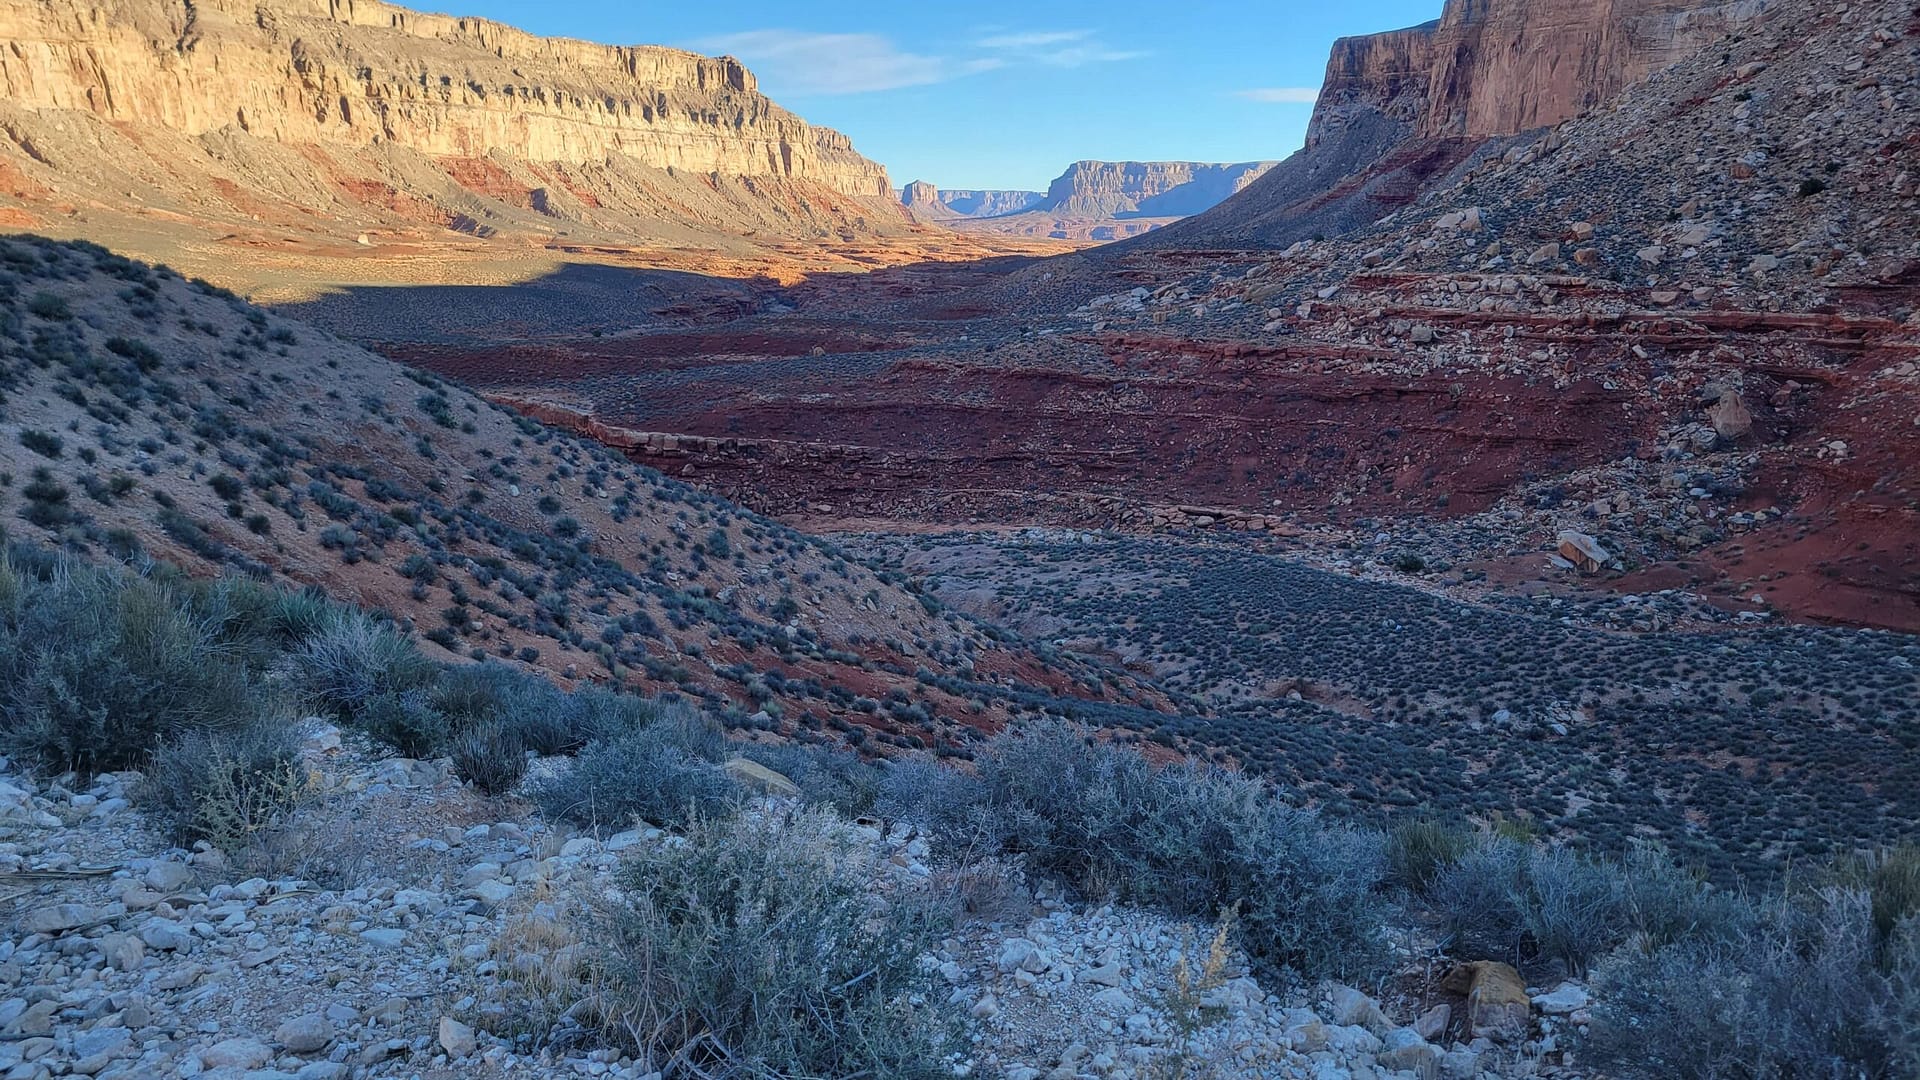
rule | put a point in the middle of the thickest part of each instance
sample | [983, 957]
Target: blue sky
[1004, 94]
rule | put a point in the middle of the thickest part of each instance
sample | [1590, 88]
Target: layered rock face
[1400, 112]
[930, 203]
[360, 73]
[1149, 188]
[1091, 200]
[1500, 67]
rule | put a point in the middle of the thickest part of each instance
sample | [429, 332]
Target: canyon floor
[900, 399]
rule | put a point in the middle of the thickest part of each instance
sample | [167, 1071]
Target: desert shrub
[662, 773]
[46, 444]
[758, 949]
[1418, 850]
[407, 721]
[224, 787]
[1475, 899]
[489, 757]
[1808, 993]
[1571, 908]
[97, 667]
[541, 716]
[1662, 903]
[1194, 840]
[300, 615]
[1062, 800]
[825, 775]
[595, 712]
[1307, 891]
[1504, 900]
[934, 798]
[1533, 904]
[529, 709]
[48, 501]
[352, 658]
[50, 306]
[1891, 879]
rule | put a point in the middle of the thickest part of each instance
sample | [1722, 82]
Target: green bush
[43, 443]
[1418, 850]
[352, 658]
[490, 758]
[664, 774]
[98, 667]
[759, 949]
[1809, 991]
[1891, 878]
[407, 721]
[224, 787]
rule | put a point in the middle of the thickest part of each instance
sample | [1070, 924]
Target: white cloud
[1033, 39]
[1055, 48]
[799, 62]
[1282, 95]
[803, 62]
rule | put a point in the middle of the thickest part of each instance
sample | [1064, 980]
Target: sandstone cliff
[930, 203]
[1499, 67]
[1146, 188]
[361, 72]
[1400, 111]
[1091, 200]
[290, 144]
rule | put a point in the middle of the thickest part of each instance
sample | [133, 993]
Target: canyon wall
[1400, 111]
[1147, 188]
[1091, 200]
[930, 203]
[363, 73]
[1499, 67]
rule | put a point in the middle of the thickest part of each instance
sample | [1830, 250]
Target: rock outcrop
[1400, 112]
[930, 203]
[285, 147]
[1500, 67]
[361, 73]
[1146, 188]
[1091, 200]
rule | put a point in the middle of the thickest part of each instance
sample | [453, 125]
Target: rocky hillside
[1399, 111]
[145, 415]
[1092, 200]
[263, 140]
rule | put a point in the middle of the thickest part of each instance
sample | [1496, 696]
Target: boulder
[1404, 1050]
[1730, 417]
[57, 918]
[757, 777]
[456, 1038]
[169, 877]
[236, 1054]
[1351, 1008]
[305, 1034]
[1496, 1006]
[1583, 551]
[1567, 998]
